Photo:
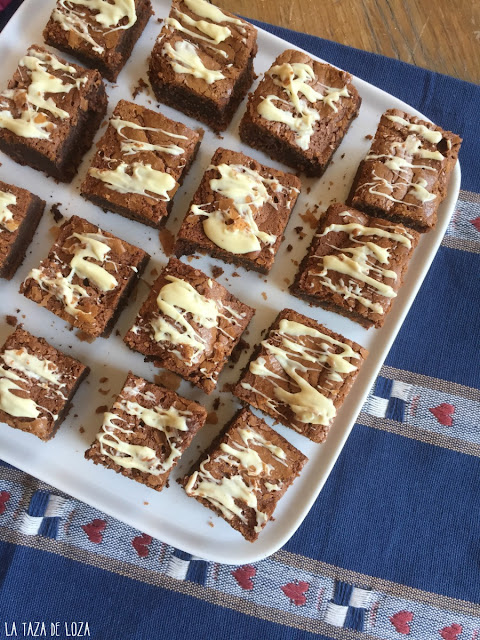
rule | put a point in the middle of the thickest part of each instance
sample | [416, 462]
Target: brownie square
[300, 374]
[355, 265]
[239, 212]
[300, 112]
[245, 473]
[189, 324]
[20, 213]
[405, 175]
[140, 163]
[102, 35]
[37, 384]
[145, 432]
[202, 62]
[50, 113]
[87, 277]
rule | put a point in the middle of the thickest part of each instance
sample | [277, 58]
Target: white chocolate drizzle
[32, 122]
[296, 355]
[6, 216]
[142, 180]
[107, 14]
[242, 486]
[131, 146]
[169, 421]
[184, 58]
[430, 135]
[45, 374]
[90, 245]
[177, 299]
[365, 262]
[294, 79]
[235, 229]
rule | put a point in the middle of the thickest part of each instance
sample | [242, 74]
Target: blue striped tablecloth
[390, 549]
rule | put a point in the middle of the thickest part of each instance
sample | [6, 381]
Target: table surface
[441, 35]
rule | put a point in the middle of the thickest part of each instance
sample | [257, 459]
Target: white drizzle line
[174, 301]
[416, 189]
[432, 136]
[6, 216]
[184, 58]
[143, 180]
[293, 79]
[169, 421]
[132, 146]
[108, 14]
[235, 229]
[309, 404]
[224, 493]
[33, 123]
[69, 294]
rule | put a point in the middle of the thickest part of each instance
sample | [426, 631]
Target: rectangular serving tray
[170, 515]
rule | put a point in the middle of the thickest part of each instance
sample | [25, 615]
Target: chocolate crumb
[299, 231]
[216, 404]
[235, 275]
[103, 380]
[217, 271]
[342, 156]
[167, 240]
[369, 137]
[84, 337]
[169, 380]
[308, 189]
[54, 232]
[210, 523]
[310, 218]
[146, 503]
[82, 430]
[101, 409]
[56, 213]
[289, 248]
[117, 332]
[212, 418]
[11, 320]
[141, 86]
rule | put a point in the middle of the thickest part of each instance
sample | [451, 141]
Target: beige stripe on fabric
[416, 433]
[207, 594]
[470, 393]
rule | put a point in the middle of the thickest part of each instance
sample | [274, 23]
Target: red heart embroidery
[444, 413]
[94, 530]
[244, 576]
[4, 498]
[452, 632]
[141, 543]
[401, 621]
[476, 223]
[296, 591]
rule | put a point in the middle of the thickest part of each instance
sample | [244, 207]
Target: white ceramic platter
[171, 516]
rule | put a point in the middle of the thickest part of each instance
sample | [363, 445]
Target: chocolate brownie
[202, 62]
[37, 384]
[87, 277]
[98, 33]
[146, 431]
[20, 213]
[50, 113]
[189, 324]
[355, 265]
[300, 374]
[239, 212]
[245, 473]
[405, 175]
[141, 161]
[300, 112]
